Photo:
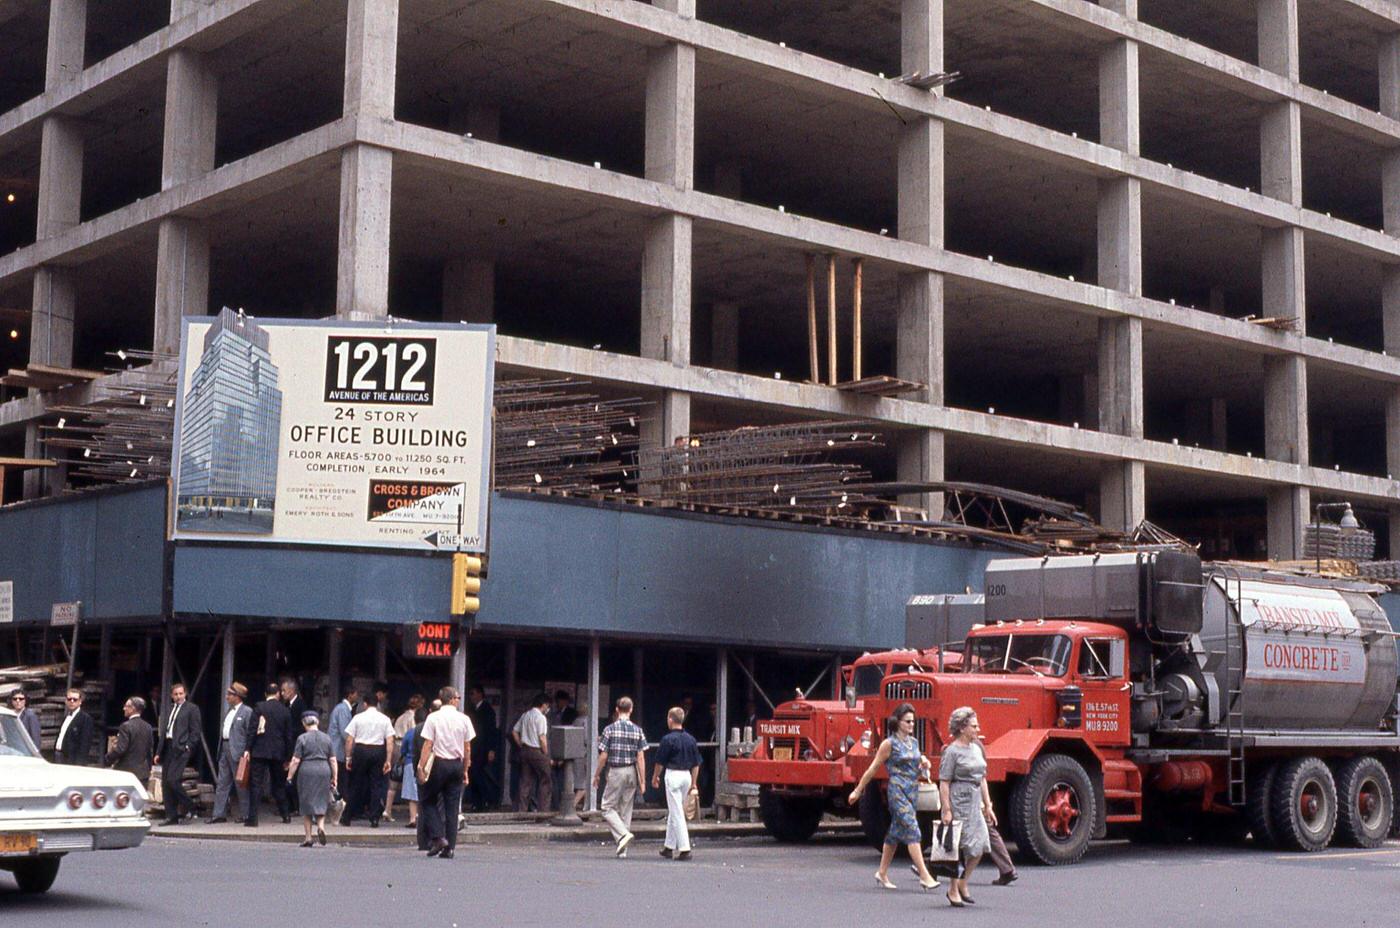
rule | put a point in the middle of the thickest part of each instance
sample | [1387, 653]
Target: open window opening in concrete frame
[24, 36]
[1201, 392]
[1023, 62]
[119, 146]
[864, 35]
[1338, 50]
[113, 26]
[1226, 517]
[1043, 470]
[1347, 421]
[1194, 257]
[527, 76]
[1227, 26]
[1342, 174]
[19, 195]
[1345, 295]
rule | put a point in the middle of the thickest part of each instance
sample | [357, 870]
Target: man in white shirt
[447, 739]
[369, 743]
[74, 745]
[233, 741]
[531, 735]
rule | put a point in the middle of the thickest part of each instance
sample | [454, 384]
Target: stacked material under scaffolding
[1332, 541]
[786, 467]
[125, 437]
[1385, 571]
[552, 435]
[45, 687]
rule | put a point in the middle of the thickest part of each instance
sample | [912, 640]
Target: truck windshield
[14, 740]
[1047, 655]
[867, 679]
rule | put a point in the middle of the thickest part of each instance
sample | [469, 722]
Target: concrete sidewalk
[483, 829]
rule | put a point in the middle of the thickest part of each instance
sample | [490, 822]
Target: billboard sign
[333, 432]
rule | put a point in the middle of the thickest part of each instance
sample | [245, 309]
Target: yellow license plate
[782, 753]
[22, 842]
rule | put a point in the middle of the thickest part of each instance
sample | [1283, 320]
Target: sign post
[7, 601]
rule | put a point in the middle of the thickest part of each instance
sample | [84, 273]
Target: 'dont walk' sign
[333, 433]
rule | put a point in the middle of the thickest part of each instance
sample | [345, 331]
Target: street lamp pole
[1346, 523]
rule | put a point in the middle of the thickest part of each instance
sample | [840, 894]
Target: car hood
[37, 776]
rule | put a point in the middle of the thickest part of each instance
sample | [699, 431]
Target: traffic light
[466, 584]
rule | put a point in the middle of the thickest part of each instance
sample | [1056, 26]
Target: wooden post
[858, 267]
[831, 319]
[816, 374]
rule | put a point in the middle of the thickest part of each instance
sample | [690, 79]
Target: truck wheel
[1365, 802]
[874, 815]
[35, 876]
[1304, 804]
[789, 819]
[1261, 824]
[1052, 811]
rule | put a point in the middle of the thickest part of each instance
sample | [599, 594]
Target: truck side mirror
[850, 697]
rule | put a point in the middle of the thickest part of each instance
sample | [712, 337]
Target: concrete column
[1285, 409]
[721, 715]
[191, 111]
[229, 641]
[362, 267]
[1289, 510]
[666, 253]
[67, 41]
[182, 277]
[507, 723]
[469, 289]
[1119, 107]
[724, 336]
[60, 176]
[1120, 235]
[371, 57]
[1281, 152]
[1122, 495]
[595, 673]
[1278, 37]
[919, 357]
[1122, 484]
[335, 646]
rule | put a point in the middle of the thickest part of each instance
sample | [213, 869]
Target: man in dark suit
[484, 788]
[135, 742]
[74, 745]
[180, 734]
[296, 708]
[233, 741]
[269, 742]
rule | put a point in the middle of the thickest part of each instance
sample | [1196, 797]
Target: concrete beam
[362, 262]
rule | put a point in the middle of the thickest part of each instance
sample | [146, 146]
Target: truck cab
[801, 759]
[1054, 700]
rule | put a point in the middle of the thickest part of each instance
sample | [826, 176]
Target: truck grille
[908, 690]
[921, 733]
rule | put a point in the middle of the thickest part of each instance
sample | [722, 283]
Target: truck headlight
[865, 739]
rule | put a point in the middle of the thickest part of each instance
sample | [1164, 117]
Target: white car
[48, 810]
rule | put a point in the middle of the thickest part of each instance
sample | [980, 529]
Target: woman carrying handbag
[962, 778]
[906, 764]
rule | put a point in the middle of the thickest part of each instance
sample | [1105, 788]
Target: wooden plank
[23, 463]
[69, 374]
[880, 385]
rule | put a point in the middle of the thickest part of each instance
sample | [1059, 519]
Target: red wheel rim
[1061, 811]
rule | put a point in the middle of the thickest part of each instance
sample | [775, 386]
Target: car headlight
[75, 800]
[99, 800]
[122, 800]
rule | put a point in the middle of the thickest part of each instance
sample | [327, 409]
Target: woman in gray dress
[314, 757]
[962, 785]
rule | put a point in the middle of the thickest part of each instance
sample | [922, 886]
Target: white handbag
[946, 838]
[928, 799]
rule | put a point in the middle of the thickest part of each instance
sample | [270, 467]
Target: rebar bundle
[550, 435]
[124, 437]
[785, 467]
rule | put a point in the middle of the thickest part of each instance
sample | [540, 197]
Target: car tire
[789, 819]
[1365, 802]
[1053, 811]
[874, 815]
[35, 876]
[1303, 804]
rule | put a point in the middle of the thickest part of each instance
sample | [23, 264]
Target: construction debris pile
[552, 436]
[786, 467]
[124, 437]
[45, 687]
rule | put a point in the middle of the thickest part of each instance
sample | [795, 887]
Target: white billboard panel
[333, 433]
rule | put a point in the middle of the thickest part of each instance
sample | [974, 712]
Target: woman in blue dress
[906, 764]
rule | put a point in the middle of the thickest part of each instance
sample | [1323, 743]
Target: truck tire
[35, 876]
[789, 819]
[1365, 802]
[1257, 802]
[874, 815]
[1052, 812]
[1303, 804]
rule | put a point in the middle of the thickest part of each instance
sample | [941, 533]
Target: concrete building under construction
[1141, 255]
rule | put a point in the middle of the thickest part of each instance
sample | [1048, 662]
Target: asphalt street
[182, 882]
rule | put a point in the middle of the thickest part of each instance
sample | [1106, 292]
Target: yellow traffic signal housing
[466, 584]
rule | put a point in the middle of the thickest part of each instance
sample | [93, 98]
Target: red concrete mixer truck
[1149, 690]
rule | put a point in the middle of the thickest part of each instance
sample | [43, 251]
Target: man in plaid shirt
[621, 753]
